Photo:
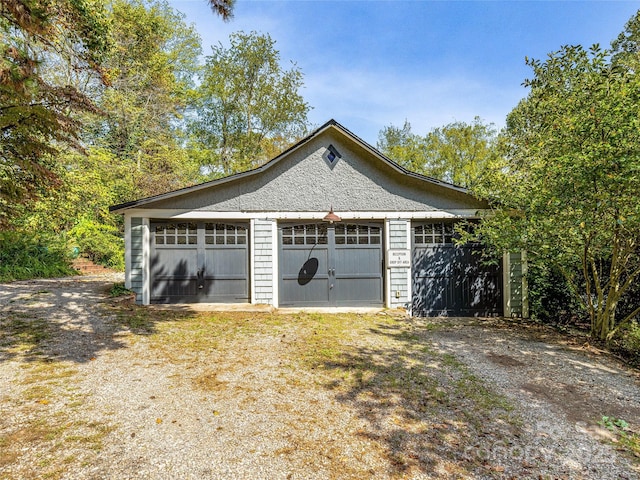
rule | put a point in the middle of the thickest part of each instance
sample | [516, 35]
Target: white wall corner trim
[275, 276]
[387, 271]
[127, 251]
[252, 261]
[146, 256]
[409, 270]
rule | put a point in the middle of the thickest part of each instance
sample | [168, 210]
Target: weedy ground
[349, 395]
[423, 406]
[43, 414]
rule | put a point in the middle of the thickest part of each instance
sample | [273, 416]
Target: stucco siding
[303, 181]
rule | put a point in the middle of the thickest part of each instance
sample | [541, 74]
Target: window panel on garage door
[174, 263]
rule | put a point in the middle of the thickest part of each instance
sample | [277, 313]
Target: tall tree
[152, 63]
[37, 113]
[248, 100]
[568, 188]
[224, 8]
[457, 153]
[403, 146]
[626, 48]
[461, 152]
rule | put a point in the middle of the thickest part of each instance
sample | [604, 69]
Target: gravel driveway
[93, 388]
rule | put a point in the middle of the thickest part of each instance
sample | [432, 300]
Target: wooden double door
[195, 262]
[324, 264]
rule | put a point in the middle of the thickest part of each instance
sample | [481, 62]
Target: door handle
[201, 278]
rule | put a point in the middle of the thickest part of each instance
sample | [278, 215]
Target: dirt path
[91, 389]
[564, 389]
[539, 367]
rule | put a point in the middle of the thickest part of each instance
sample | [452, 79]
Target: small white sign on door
[399, 258]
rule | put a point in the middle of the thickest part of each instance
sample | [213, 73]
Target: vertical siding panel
[399, 279]
[263, 261]
[136, 267]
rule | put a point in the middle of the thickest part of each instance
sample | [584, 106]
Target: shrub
[627, 343]
[119, 290]
[550, 300]
[101, 243]
[22, 257]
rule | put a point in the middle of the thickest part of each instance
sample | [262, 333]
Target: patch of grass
[385, 369]
[138, 319]
[48, 371]
[414, 398]
[119, 290]
[472, 389]
[8, 454]
[323, 338]
[51, 438]
[626, 438]
[178, 332]
[47, 432]
[209, 382]
[335, 345]
[20, 333]
[37, 430]
[89, 435]
[409, 369]
[39, 393]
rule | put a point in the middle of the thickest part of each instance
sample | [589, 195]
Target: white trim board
[146, 260]
[275, 275]
[172, 214]
[252, 262]
[127, 250]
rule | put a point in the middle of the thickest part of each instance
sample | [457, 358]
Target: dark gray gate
[199, 262]
[331, 265]
[451, 280]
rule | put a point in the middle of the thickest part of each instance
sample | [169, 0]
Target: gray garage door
[331, 265]
[451, 280]
[199, 262]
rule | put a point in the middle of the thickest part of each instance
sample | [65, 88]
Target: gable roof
[331, 124]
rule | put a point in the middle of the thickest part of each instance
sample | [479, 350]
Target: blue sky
[370, 64]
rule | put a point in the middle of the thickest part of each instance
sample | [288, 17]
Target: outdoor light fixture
[331, 217]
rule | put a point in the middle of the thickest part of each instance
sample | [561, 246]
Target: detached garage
[330, 222]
